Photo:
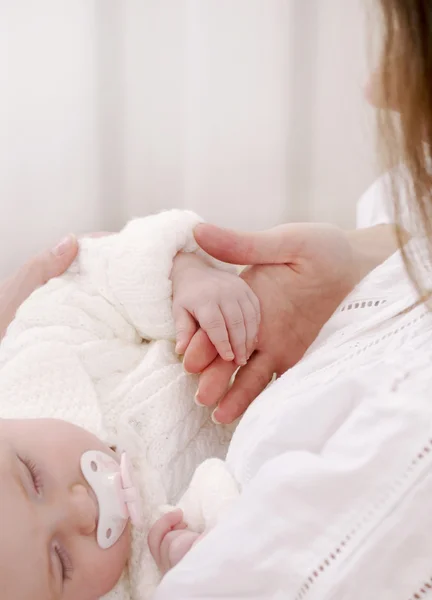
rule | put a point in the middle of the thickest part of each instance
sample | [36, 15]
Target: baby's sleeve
[209, 495]
[76, 339]
[119, 287]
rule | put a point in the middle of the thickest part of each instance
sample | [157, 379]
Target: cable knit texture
[95, 348]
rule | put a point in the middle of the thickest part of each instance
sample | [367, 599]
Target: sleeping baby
[99, 433]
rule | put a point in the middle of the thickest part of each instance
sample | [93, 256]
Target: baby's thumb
[186, 327]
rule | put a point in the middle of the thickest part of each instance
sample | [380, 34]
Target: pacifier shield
[103, 474]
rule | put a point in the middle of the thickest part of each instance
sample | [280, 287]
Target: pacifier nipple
[117, 497]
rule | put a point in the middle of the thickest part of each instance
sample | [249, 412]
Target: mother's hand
[301, 274]
[33, 274]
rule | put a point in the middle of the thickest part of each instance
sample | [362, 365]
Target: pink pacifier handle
[130, 493]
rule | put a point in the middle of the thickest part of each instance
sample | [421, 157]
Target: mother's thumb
[272, 246]
[52, 263]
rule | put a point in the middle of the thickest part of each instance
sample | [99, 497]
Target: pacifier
[116, 495]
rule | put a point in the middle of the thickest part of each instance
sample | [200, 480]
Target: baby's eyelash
[34, 472]
[65, 562]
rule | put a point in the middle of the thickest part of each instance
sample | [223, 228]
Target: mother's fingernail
[198, 401]
[214, 418]
[63, 246]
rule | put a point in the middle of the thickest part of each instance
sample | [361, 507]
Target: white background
[248, 111]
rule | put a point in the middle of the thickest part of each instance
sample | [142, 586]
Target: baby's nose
[83, 509]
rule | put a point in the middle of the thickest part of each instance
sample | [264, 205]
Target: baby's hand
[221, 303]
[169, 540]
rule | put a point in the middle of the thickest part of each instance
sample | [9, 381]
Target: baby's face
[49, 515]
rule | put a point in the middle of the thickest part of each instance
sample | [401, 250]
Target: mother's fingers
[200, 353]
[32, 275]
[50, 263]
[273, 246]
[248, 384]
[214, 382]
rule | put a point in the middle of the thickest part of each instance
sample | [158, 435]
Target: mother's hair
[406, 85]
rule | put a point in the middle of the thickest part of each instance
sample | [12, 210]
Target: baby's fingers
[255, 303]
[212, 321]
[186, 328]
[179, 545]
[160, 529]
[251, 325]
[234, 320]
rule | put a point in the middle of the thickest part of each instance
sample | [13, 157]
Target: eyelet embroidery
[362, 304]
[334, 555]
[423, 591]
[328, 372]
[360, 351]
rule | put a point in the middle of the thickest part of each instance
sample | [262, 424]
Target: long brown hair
[406, 79]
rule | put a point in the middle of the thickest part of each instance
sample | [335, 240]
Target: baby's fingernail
[214, 418]
[242, 362]
[178, 348]
[63, 246]
[256, 340]
[198, 401]
[229, 356]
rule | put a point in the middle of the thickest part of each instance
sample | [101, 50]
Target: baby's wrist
[184, 261]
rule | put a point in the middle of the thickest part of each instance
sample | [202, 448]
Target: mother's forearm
[372, 246]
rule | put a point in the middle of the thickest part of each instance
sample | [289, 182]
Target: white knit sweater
[95, 348]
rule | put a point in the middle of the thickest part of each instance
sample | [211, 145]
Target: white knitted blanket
[95, 347]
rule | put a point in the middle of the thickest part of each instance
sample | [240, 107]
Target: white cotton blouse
[335, 464]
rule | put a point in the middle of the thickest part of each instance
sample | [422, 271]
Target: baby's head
[49, 515]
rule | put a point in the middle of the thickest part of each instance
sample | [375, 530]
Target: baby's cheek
[118, 557]
[106, 566]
